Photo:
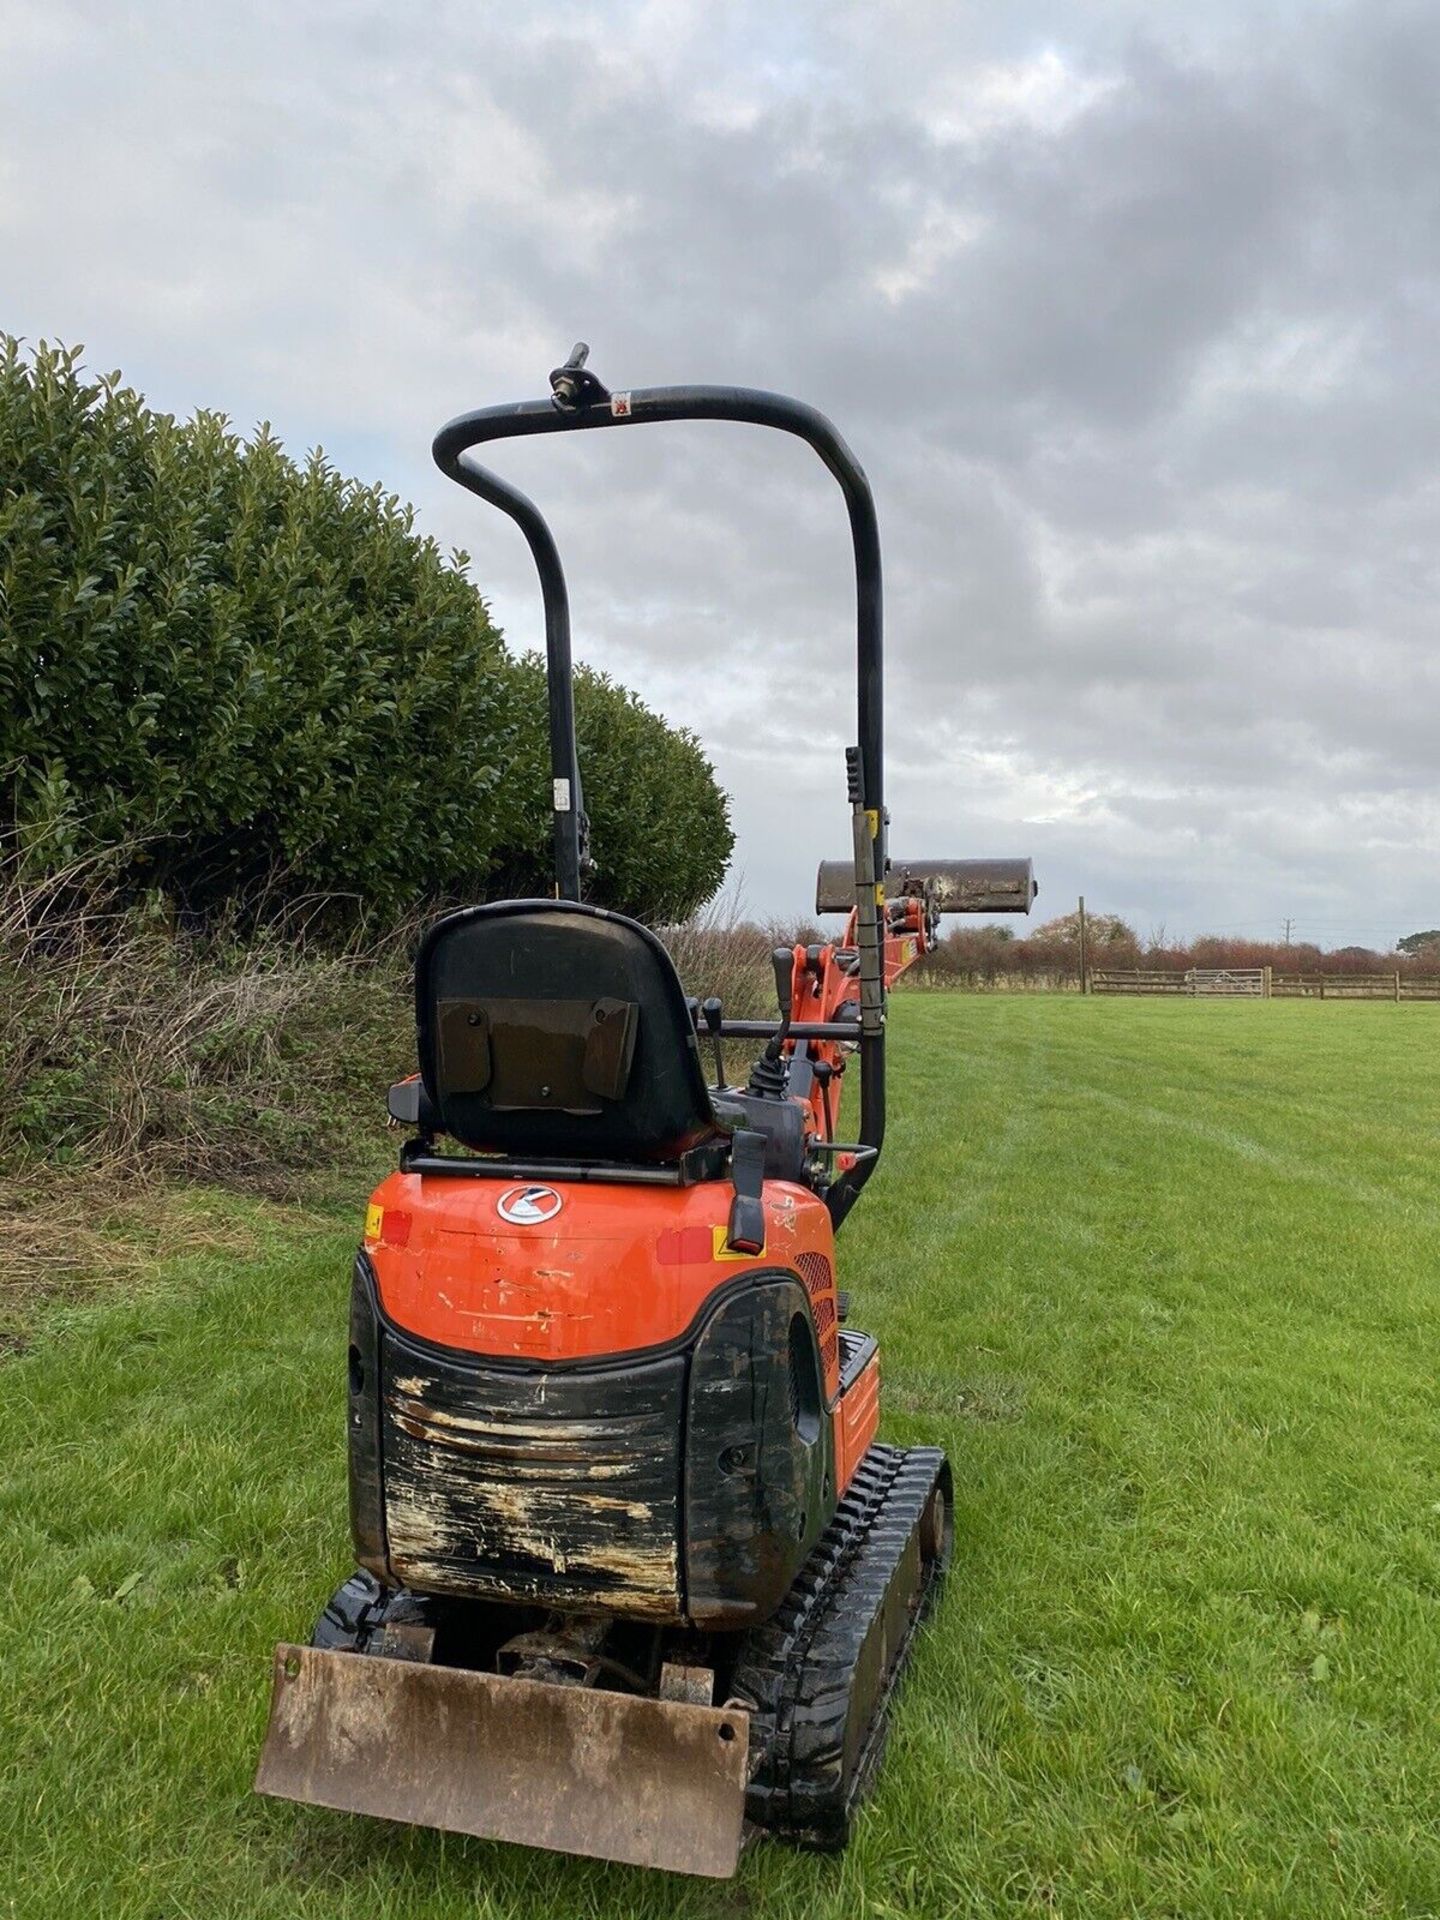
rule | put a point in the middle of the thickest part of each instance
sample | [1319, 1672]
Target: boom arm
[825, 982]
[825, 990]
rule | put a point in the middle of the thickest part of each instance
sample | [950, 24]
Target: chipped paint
[560, 1489]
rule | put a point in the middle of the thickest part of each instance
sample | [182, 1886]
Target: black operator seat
[552, 1030]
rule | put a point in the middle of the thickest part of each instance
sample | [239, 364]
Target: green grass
[1162, 1278]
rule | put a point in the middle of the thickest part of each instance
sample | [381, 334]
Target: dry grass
[718, 954]
[722, 955]
[150, 1053]
[71, 1239]
[139, 1063]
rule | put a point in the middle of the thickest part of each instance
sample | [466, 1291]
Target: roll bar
[578, 400]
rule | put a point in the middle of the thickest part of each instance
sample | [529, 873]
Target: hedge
[256, 672]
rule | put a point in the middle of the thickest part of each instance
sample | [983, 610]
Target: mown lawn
[1163, 1278]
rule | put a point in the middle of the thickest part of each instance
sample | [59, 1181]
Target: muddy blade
[651, 1782]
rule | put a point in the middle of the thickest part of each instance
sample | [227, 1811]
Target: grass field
[1163, 1279]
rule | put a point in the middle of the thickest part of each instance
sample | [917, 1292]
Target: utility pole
[1288, 925]
[1084, 970]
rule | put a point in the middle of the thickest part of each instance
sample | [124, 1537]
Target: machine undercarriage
[657, 1746]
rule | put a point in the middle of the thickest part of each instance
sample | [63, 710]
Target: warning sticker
[718, 1237]
[620, 406]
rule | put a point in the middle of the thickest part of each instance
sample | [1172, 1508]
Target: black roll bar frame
[579, 401]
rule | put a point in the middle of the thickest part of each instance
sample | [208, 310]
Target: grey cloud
[1130, 315]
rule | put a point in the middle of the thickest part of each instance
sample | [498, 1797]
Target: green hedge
[257, 670]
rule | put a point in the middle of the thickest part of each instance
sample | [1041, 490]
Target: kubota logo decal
[529, 1206]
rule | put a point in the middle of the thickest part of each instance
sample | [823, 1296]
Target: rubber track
[798, 1671]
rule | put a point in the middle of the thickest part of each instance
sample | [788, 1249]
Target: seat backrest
[548, 1029]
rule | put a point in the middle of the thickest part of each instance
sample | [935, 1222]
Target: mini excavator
[636, 1579]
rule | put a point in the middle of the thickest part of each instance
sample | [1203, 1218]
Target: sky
[1129, 311]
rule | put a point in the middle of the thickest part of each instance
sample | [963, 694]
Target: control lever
[783, 961]
[769, 1074]
[824, 1073]
[710, 1013]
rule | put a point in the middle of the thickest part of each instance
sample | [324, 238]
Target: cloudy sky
[1130, 312]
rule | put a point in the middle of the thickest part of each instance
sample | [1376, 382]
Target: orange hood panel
[560, 1271]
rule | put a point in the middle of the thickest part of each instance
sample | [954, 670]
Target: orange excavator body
[600, 1276]
[635, 1577]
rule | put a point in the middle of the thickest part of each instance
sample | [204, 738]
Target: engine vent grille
[819, 1278]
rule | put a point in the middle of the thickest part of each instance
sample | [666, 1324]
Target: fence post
[1084, 973]
[1322, 986]
[1397, 986]
[1267, 985]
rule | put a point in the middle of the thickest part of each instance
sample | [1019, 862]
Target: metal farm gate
[1237, 982]
[1229, 982]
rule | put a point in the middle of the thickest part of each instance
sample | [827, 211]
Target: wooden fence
[1355, 986]
[1262, 983]
[1136, 980]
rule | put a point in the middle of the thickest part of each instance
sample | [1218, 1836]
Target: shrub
[256, 671]
[660, 832]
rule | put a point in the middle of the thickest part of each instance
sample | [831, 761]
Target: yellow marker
[722, 1252]
[872, 814]
[373, 1217]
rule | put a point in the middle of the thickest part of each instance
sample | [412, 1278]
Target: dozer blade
[655, 1783]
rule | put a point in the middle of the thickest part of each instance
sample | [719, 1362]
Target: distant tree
[1101, 930]
[1417, 942]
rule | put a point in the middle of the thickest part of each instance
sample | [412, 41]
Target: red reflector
[683, 1246]
[395, 1228]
